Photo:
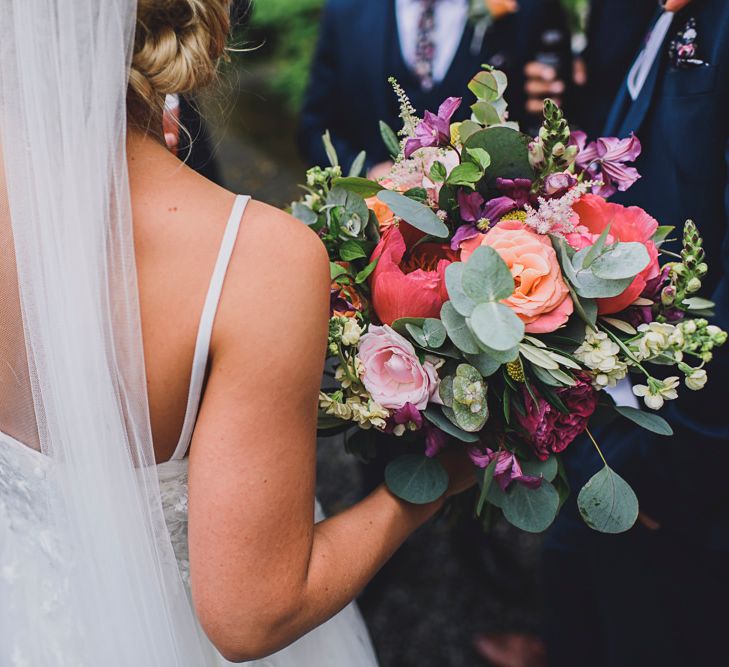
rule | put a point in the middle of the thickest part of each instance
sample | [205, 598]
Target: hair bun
[177, 47]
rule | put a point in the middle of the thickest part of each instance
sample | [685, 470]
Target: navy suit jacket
[348, 92]
[682, 120]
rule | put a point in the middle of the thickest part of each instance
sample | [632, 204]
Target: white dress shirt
[451, 17]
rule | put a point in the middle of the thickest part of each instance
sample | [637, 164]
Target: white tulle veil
[72, 381]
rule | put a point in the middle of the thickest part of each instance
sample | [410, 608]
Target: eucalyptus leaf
[458, 330]
[469, 421]
[484, 363]
[595, 250]
[434, 333]
[531, 510]
[358, 164]
[590, 286]
[435, 417]
[330, 150]
[496, 326]
[502, 356]
[416, 479]
[363, 187]
[463, 303]
[586, 310]
[445, 391]
[419, 216]
[647, 420]
[416, 334]
[547, 469]
[302, 212]
[486, 277]
[607, 503]
[389, 138]
[621, 261]
[401, 325]
[355, 214]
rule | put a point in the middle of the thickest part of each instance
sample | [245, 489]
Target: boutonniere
[683, 50]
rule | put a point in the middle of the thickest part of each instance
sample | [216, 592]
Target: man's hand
[499, 8]
[541, 82]
[380, 170]
[676, 5]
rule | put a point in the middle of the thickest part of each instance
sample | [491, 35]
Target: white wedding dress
[33, 589]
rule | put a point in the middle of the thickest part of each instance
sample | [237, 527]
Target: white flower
[696, 379]
[657, 392]
[656, 339]
[351, 333]
[368, 413]
[601, 355]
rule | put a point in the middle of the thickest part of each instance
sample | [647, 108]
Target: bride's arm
[262, 573]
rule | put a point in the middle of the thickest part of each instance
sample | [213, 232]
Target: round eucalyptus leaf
[458, 330]
[416, 478]
[470, 421]
[623, 260]
[463, 303]
[417, 334]
[419, 216]
[496, 326]
[607, 503]
[486, 364]
[532, 510]
[434, 333]
[590, 286]
[486, 277]
[547, 469]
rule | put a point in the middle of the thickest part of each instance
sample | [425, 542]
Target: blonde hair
[177, 48]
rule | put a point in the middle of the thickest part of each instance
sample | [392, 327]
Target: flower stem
[597, 447]
[627, 351]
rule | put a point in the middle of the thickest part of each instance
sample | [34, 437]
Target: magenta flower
[507, 468]
[551, 431]
[434, 130]
[555, 185]
[408, 417]
[605, 160]
[435, 439]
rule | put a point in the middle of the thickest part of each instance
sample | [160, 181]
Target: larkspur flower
[657, 392]
[605, 160]
[434, 130]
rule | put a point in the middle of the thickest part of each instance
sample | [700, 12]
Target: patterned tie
[425, 49]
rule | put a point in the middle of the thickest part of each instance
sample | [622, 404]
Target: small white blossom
[555, 216]
[601, 355]
[657, 392]
[696, 379]
[351, 333]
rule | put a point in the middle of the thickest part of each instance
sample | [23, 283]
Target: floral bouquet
[485, 293]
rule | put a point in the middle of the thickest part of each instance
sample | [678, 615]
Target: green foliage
[416, 479]
[418, 215]
[647, 420]
[532, 510]
[287, 31]
[607, 503]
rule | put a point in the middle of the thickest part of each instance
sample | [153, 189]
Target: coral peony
[626, 224]
[409, 284]
[393, 374]
[541, 298]
[551, 431]
[385, 217]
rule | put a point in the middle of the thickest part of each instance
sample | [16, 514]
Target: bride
[161, 344]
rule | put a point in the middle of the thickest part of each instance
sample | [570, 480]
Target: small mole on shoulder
[172, 209]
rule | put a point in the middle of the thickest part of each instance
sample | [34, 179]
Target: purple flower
[555, 185]
[470, 206]
[434, 130]
[605, 160]
[515, 194]
[407, 417]
[435, 439]
[463, 233]
[507, 468]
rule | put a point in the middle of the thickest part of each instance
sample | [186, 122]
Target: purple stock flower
[605, 160]
[435, 439]
[507, 468]
[434, 130]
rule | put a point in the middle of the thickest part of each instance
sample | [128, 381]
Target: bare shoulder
[278, 280]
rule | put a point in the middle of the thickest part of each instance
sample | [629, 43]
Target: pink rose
[552, 431]
[541, 298]
[393, 374]
[626, 224]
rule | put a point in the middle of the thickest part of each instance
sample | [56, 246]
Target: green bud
[694, 285]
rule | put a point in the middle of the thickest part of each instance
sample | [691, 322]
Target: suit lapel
[627, 115]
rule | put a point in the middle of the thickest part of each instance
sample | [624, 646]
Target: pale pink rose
[393, 374]
[541, 298]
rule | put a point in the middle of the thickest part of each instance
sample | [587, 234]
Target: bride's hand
[460, 469]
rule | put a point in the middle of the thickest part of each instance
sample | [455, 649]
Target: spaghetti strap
[205, 330]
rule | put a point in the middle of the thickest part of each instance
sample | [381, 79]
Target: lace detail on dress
[174, 492]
